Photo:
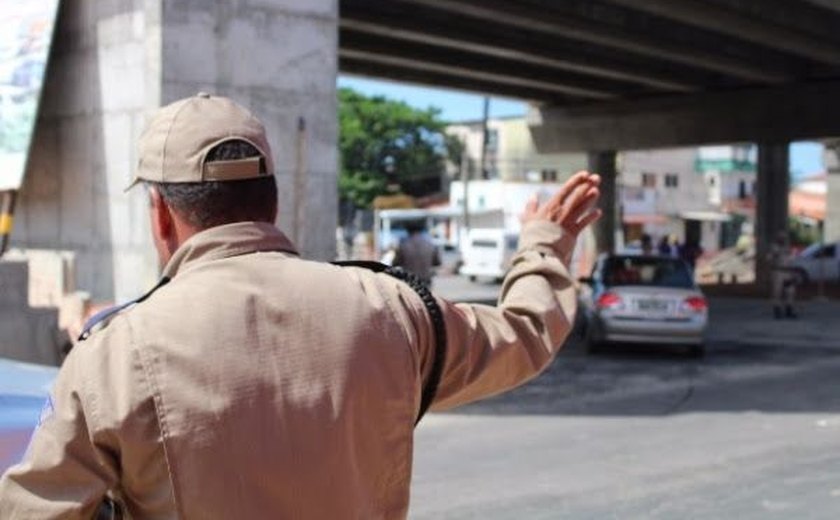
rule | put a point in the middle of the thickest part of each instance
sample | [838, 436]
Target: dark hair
[210, 204]
[415, 226]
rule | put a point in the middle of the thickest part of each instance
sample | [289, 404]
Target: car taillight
[696, 304]
[610, 300]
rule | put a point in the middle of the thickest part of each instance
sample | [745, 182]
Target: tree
[375, 131]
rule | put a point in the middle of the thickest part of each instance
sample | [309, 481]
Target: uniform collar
[237, 239]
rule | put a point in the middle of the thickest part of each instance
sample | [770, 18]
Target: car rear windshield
[647, 271]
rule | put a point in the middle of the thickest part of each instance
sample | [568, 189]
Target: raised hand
[573, 207]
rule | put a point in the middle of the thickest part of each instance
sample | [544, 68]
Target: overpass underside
[608, 75]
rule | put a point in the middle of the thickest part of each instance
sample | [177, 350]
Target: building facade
[510, 153]
[693, 194]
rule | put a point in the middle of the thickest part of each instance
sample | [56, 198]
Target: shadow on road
[654, 381]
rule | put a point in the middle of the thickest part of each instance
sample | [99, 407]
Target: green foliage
[802, 235]
[373, 128]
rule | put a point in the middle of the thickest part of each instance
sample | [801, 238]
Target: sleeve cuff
[549, 238]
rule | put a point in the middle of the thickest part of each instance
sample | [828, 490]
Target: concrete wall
[690, 195]
[99, 86]
[279, 59]
[26, 333]
[114, 62]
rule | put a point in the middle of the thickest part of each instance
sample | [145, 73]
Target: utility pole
[465, 178]
[483, 170]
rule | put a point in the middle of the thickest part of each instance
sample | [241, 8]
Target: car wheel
[473, 278]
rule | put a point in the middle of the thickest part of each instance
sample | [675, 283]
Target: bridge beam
[740, 25]
[591, 31]
[809, 111]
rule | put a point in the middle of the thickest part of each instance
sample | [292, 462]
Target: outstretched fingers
[588, 218]
[581, 177]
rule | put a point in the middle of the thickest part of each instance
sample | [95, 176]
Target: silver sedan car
[643, 299]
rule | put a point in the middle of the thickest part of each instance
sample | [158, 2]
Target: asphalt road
[748, 432]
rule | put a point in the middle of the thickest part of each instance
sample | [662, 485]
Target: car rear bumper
[689, 332]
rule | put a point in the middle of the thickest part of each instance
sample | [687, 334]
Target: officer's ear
[163, 227]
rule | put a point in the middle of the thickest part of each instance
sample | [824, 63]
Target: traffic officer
[252, 383]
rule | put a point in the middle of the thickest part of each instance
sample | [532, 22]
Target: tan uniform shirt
[260, 385]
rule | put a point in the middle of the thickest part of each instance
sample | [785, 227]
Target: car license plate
[652, 305]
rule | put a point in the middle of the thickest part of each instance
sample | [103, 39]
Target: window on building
[649, 180]
[549, 175]
[672, 180]
[742, 190]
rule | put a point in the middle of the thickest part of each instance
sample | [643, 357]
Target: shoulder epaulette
[103, 315]
[435, 315]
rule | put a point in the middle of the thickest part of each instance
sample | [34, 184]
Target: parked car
[24, 388]
[488, 253]
[643, 299]
[818, 262]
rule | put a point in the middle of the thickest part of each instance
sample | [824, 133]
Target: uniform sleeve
[63, 474]
[493, 349]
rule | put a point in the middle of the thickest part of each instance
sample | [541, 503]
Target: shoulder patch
[47, 411]
[101, 318]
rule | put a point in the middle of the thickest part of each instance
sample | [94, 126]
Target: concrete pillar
[772, 209]
[604, 163]
[113, 63]
[29, 334]
[100, 84]
[279, 58]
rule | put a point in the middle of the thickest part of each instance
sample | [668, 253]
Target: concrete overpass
[607, 75]
[603, 75]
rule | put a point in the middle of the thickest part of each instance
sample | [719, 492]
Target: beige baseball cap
[174, 146]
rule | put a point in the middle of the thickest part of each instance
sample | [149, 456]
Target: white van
[488, 253]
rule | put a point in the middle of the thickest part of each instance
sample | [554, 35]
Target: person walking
[782, 279]
[252, 383]
[417, 254]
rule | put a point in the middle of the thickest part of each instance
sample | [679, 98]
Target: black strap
[435, 315]
[104, 314]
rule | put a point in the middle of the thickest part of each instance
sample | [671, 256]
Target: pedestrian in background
[782, 278]
[690, 251]
[251, 383]
[666, 246]
[417, 254]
